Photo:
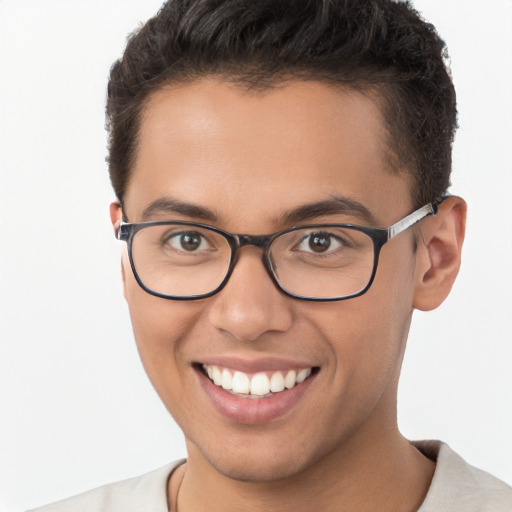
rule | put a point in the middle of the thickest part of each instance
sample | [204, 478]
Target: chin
[258, 465]
[244, 471]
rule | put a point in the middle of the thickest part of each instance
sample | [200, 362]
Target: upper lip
[255, 365]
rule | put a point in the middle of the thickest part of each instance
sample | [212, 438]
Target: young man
[281, 169]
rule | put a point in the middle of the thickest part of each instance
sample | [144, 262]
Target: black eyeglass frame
[379, 237]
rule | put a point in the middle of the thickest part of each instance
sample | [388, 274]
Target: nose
[250, 304]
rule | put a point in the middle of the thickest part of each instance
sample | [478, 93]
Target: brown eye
[322, 243]
[319, 242]
[189, 241]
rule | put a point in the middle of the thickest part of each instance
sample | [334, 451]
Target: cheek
[389, 313]
[159, 328]
[366, 335]
[365, 339]
[158, 324]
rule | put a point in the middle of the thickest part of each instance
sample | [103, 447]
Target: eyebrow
[169, 205]
[334, 206]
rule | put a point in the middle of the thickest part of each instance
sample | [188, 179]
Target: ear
[439, 253]
[116, 216]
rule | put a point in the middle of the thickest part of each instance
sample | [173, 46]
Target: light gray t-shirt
[456, 487]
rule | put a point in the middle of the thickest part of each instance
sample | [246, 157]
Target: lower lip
[252, 411]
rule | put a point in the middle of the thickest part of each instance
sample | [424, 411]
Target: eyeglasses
[319, 262]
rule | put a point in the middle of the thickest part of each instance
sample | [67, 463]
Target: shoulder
[147, 492]
[460, 487]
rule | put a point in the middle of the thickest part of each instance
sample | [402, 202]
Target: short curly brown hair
[383, 46]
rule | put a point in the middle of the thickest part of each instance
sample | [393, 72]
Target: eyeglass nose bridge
[262, 242]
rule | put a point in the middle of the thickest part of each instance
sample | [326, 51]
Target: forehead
[247, 153]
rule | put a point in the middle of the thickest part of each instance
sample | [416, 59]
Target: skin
[250, 157]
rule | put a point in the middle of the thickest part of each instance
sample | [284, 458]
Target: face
[245, 160]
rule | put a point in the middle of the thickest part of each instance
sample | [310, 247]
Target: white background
[76, 409]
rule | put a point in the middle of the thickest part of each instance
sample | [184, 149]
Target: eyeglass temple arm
[120, 232]
[407, 222]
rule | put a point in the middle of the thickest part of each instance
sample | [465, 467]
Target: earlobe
[439, 254]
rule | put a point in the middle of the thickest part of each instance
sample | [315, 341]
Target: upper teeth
[258, 384]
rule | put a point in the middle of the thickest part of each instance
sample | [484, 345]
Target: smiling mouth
[256, 385]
